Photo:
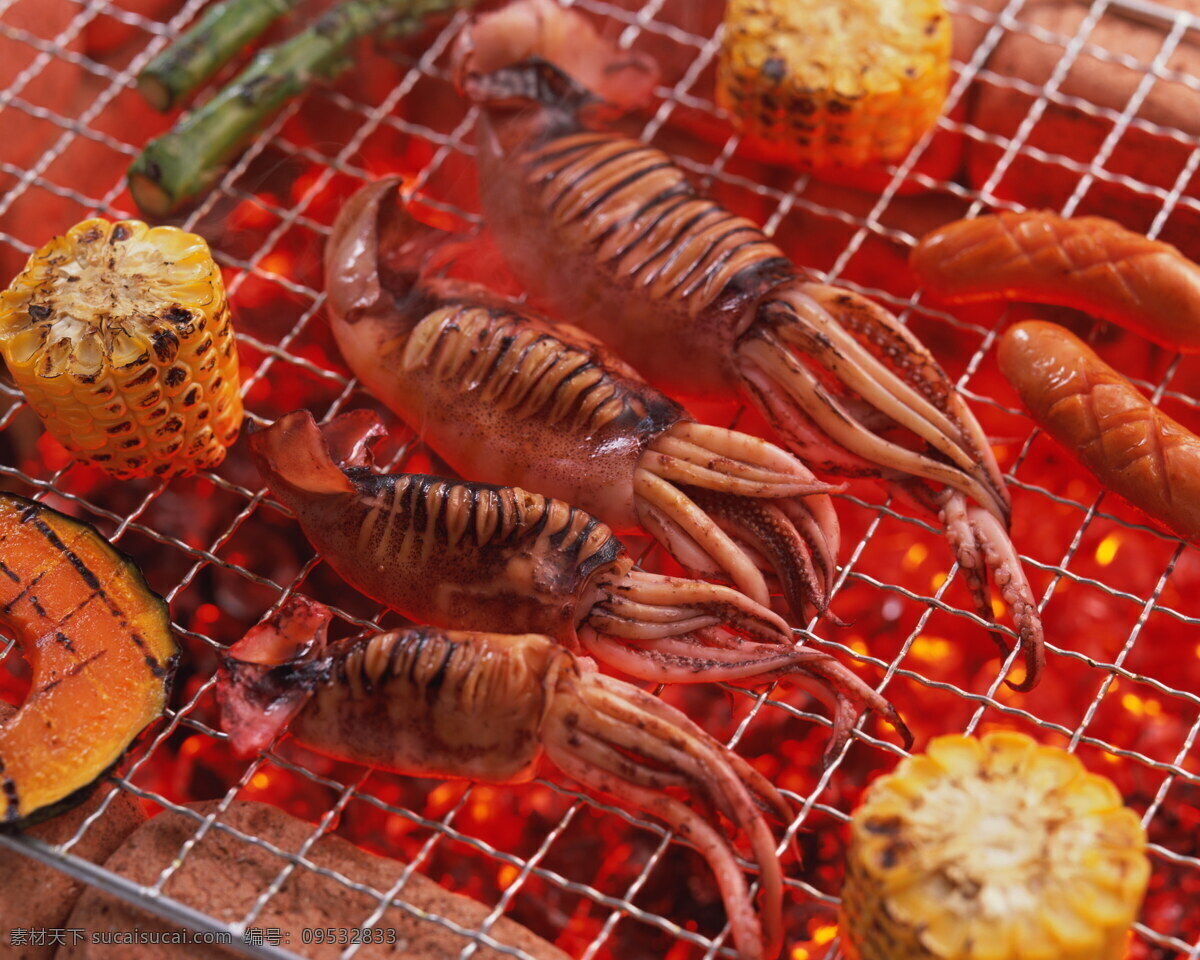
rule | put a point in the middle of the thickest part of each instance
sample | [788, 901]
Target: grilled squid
[608, 231]
[475, 556]
[508, 397]
[488, 707]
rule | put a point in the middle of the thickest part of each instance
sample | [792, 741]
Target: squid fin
[265, 678]
[349, 437]
[293, 451]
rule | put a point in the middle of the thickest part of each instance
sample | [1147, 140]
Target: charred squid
[608, 231]
[476, 556]
[506, 396]
[487, 707]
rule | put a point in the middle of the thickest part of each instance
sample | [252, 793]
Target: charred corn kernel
[119, 335]
[844, 83]
[992, 849]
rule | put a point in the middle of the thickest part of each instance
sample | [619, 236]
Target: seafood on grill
[1090, 263]
[824, 85]
[485, 706]
[508, 397]
[120, 337]
[625, 79]
[101, 652]
[476, 556]
[1131, 446]
[607, 231]
[998, 847]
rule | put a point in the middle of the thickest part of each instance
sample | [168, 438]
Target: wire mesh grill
[1096, 566]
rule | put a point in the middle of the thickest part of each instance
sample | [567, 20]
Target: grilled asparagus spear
[216, 38]
[186, 160]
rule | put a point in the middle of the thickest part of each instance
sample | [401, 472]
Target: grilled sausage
[1131, 446]
[1089, 263]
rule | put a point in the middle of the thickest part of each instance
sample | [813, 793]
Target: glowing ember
[1106, 552]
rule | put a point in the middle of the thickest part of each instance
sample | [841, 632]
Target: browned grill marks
[518, 368]
[413, 654]
[578, 176]
[12, 810]
[25, 592]
[439, 676]
[627, 181]
[72, 671]
[699, 249]
[81, 568]
[30, 515]
[672, 199]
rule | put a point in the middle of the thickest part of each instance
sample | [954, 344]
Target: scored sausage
[1089, 263]
[1131, 446]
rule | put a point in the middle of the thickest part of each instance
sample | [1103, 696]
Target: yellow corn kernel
[120, 337]
[992, 849]
[823, 84]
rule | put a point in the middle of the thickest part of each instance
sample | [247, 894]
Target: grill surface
[1122, 602]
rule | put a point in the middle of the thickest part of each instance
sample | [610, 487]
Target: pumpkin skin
[102, 654]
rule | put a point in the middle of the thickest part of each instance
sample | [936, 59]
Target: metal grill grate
[256, 267]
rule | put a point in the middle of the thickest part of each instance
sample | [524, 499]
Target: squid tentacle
[961, 535]
[805, 324]
[820, 532]
[713, 600]
[981, 545]
[630, 715]
[736, 462]
[743, 447]
[618, 748]
[630, 628]
[773, 534]
[708, 494]
[765, 793]
[1009, 576]
[584, 765]
[656, 495]
[682, 657]
[767, 361]
[878, 330]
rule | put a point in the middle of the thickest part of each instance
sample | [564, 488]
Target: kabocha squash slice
[102, 654]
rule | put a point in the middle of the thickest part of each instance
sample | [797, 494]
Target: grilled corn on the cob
[119, 335]
[834, 84]
[989, 850]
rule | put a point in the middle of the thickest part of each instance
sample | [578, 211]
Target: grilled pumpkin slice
[100, 646]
